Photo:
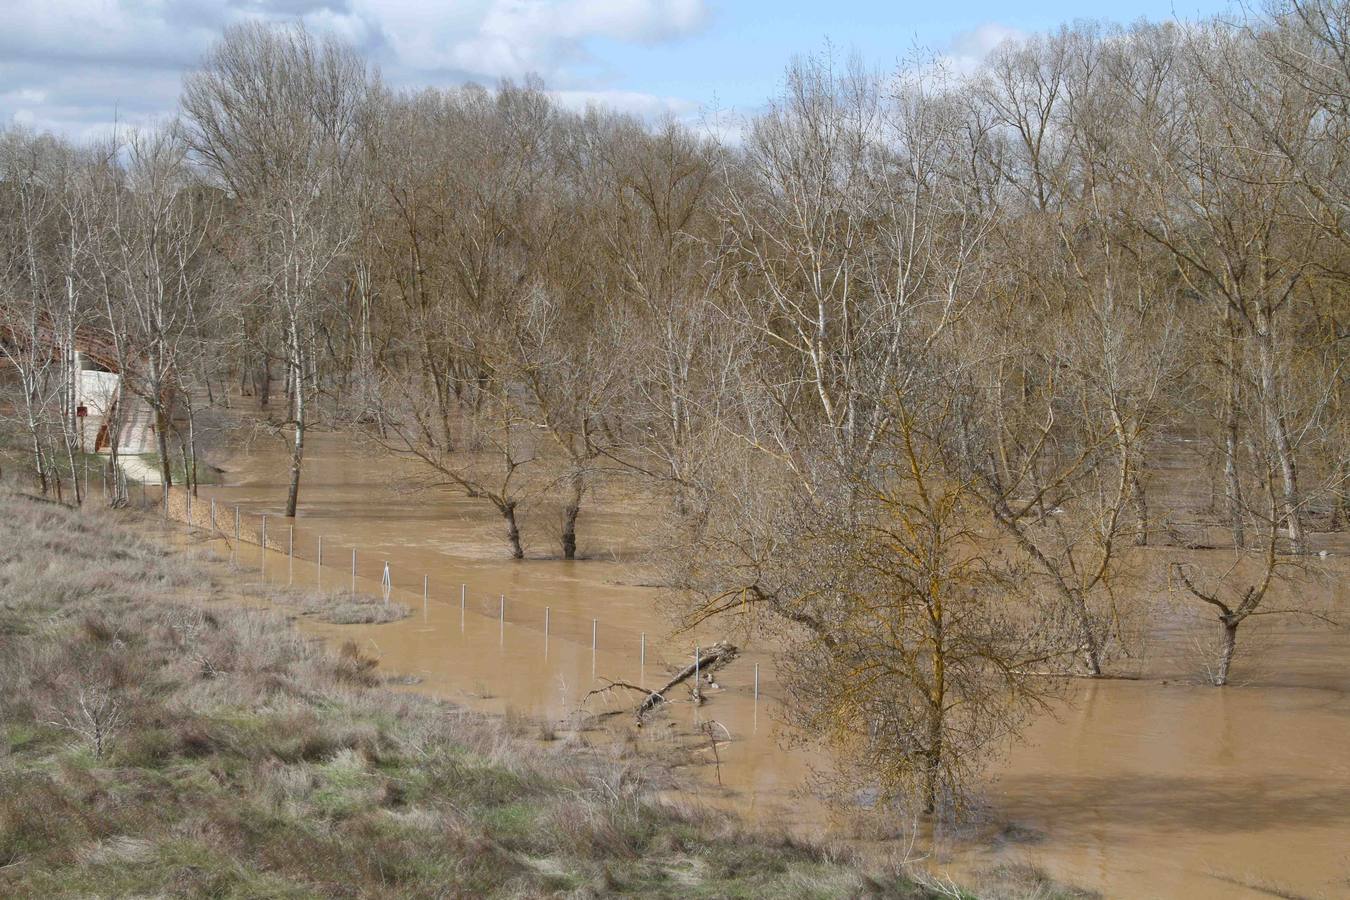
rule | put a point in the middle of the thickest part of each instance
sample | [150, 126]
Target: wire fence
[282, 550]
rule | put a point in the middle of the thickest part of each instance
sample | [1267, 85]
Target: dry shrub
[355, 668]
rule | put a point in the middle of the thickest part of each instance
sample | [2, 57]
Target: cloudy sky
[76, 66]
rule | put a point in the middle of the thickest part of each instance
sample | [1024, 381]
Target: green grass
[240, 760]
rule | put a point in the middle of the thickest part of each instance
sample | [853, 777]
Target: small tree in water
[912, 651]
[1240, 587]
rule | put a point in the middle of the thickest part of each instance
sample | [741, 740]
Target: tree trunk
[296, 367]
[1279, 432]
[162, 442]
[190, 465]
[932, 760]
[570, 513]
[264, 388]
[930, 772]
[297, 463]
[1090, 647]
[39, 461]
[1226, 655]
[512, 530]
[1340, 506]
[1232, 480]
[1140, 502]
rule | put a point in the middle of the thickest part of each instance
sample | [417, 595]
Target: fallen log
[709, 659]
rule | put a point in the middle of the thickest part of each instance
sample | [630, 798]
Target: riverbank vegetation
[909, 370]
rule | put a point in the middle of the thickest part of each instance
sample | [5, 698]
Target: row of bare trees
[905, 375]
[105, 254]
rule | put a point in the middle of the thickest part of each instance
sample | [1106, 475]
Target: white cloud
[511, 38]
[75, 65]
[967, 49]
[646, 106]
[983, 39]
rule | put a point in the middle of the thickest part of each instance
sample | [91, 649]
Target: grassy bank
[158, 738]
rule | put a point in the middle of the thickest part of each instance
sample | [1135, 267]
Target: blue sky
[75, 66]
[740, 55]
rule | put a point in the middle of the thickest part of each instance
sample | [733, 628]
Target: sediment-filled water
[1157, 787]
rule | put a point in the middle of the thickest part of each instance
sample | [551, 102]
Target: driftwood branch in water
[709, 659]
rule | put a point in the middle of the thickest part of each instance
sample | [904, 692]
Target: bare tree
[277, 116]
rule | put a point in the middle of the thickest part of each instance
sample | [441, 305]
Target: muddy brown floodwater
[1154, 788]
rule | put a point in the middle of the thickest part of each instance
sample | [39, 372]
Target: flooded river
[1153, 788]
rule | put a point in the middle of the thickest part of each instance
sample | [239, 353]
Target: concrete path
[139, 468]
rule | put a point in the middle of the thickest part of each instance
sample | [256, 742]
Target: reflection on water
[1137, 788]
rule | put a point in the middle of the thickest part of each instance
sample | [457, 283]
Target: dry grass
[158, 739]
[338, 607]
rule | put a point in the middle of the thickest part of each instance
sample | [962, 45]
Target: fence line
[524, 614]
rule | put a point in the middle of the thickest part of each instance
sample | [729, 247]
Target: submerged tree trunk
[512, 529]
[1090, 645]
[570, 513]
[296, 377]
[1230, 628]
[297, 464]
[264, 388]
[191, 467]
